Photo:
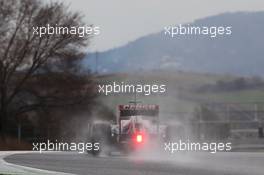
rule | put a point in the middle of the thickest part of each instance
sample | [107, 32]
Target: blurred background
[214, 85]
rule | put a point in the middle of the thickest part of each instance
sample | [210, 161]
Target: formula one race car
[136, 127]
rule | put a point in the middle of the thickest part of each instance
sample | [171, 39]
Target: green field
[180, 96]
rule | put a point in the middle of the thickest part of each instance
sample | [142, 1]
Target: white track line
[19, 169]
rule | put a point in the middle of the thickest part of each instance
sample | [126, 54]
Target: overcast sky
[122, 21]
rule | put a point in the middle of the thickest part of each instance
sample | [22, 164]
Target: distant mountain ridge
[242, 53]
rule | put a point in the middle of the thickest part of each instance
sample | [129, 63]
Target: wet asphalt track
[185, 164]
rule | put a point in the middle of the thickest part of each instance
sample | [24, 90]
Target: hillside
[183, 93]
[240, 54]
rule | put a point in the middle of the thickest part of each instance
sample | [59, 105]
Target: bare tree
[24, 56]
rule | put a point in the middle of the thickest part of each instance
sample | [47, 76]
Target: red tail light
[139, 138]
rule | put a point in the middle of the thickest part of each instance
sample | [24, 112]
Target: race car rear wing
[125, 111]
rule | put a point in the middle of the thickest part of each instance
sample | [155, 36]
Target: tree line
[42, 83]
